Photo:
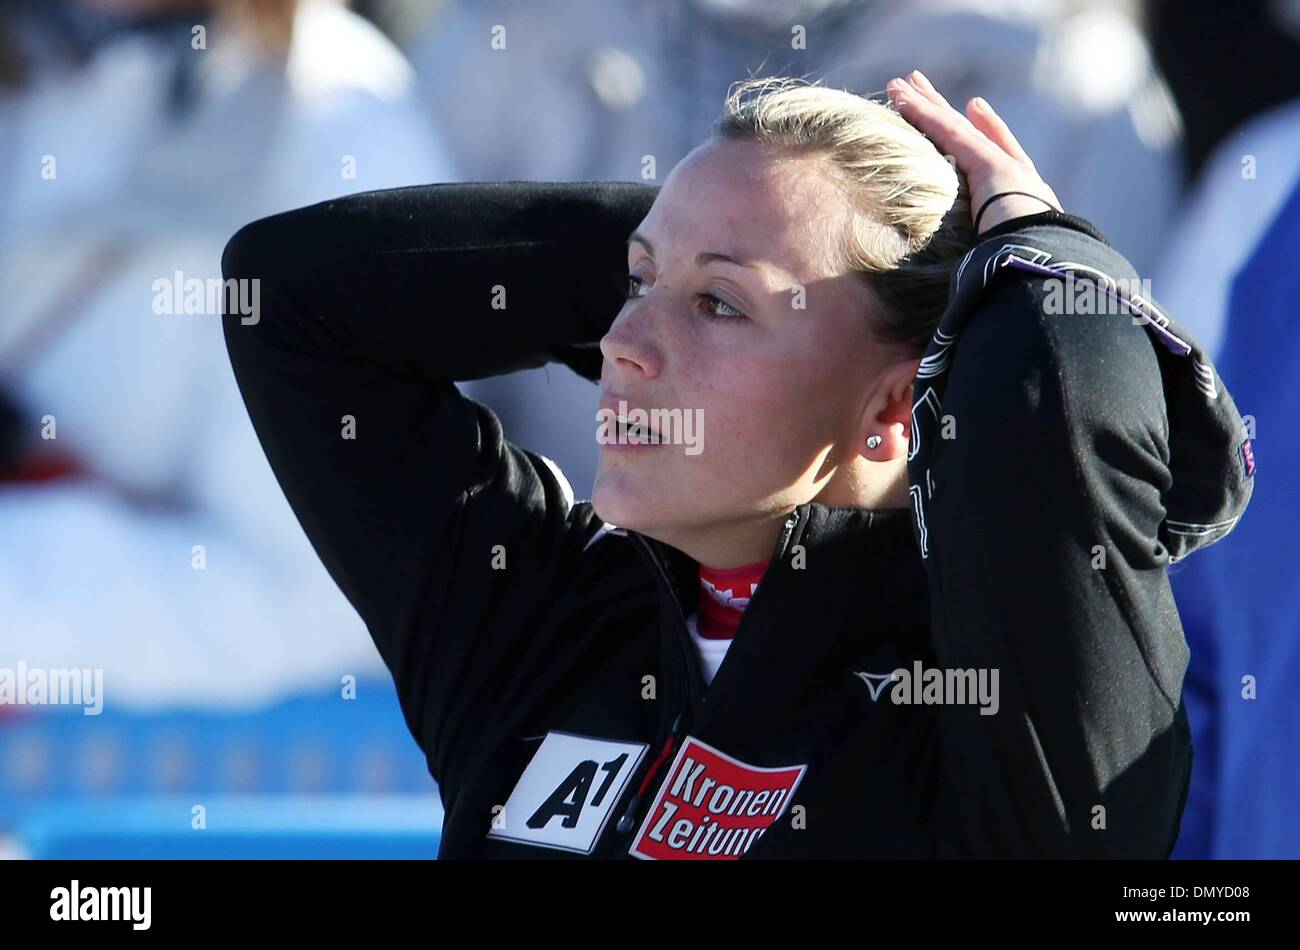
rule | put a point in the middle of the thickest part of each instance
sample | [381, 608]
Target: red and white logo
[712, 806]
[726, 596]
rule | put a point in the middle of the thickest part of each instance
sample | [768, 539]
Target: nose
[628, 345]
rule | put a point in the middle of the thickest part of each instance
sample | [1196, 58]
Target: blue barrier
[234, 827]
[306, 761]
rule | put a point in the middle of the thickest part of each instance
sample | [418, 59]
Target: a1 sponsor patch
[713, 806]
[565, 795]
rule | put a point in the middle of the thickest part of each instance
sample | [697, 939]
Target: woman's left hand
[981, 144]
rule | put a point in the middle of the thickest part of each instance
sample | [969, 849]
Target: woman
[960, 639]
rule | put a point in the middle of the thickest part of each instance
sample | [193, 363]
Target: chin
[626, 505]
[612, 505]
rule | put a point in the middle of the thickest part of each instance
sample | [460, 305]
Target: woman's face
[737, 318]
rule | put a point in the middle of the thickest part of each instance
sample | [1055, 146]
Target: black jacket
[541, 656]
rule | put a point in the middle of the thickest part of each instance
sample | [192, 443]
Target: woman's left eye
[725, 310]
[634, 285]
[721, 310]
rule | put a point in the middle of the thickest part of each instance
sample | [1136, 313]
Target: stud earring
[873, 441]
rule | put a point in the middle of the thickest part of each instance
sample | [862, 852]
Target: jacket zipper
[627, 821]
[772, 580]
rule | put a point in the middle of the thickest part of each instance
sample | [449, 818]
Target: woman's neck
[865, 484]
[726, 545]
[723, 546]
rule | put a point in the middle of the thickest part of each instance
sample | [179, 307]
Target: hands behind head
[982, 145]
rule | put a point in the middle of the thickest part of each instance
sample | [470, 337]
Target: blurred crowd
[141, 530]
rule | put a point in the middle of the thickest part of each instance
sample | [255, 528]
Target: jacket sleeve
[1042, 490]
[447, 539]
[1195, 585]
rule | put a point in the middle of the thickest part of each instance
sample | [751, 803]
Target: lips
[611, 403]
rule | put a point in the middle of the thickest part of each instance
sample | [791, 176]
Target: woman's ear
[887, 423]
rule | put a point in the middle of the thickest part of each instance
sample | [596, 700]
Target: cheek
[768, 417]
[770, 407]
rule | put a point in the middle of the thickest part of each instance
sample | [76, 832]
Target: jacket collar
[836, 541]
[842, 584]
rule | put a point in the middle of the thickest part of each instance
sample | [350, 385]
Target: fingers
[923, 84]
[983, 117]
[980, 124]
[951, 131]
[981, 144]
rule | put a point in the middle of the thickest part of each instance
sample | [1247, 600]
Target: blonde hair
[913, 220]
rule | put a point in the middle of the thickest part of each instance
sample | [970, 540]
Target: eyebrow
[702, 258]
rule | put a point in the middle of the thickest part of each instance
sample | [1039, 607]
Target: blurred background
[232, 703]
